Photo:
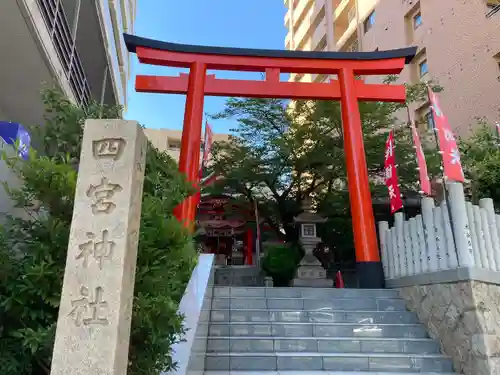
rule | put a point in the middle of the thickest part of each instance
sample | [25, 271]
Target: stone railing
[446, 265]
[462, 235]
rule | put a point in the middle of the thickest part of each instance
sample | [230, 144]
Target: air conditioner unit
[352, 14]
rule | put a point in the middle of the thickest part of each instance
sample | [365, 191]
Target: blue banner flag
[11, 132]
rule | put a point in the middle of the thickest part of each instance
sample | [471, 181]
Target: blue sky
[228, 23]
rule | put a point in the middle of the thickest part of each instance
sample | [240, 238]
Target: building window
[417, 20]
[429, 120]
[369, 22]
[174, 145]
[423, 69]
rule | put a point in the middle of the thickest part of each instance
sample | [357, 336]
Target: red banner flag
[391, 177]
[207, 148]
[447, 142]
[210, 179]
[207, 143]
[425, 184]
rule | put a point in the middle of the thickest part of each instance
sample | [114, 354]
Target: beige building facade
[458, 46]
[169, 140]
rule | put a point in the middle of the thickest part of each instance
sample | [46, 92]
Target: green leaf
[33, 249]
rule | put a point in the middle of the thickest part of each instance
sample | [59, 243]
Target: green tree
[280, 263]
[480, 154]
[33, 249]
[284, 154]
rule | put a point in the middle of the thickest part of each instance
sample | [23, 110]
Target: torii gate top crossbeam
[272, 62]
[157, 52]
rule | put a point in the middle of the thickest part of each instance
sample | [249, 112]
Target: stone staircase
[335, 331]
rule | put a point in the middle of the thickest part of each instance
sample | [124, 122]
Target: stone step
[305, 361]
[274, 303]
[319, 373]
[321, 316]
[244, 329]
[297, 292]
[317, 281]
[321, 344]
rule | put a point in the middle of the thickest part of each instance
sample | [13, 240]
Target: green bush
[481, 162]
[33, 252]
[280, 262]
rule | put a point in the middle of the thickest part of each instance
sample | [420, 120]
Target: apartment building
[458, 46]
[76, 45]
[169, 140]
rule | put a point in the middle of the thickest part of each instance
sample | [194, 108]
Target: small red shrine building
[228, 228]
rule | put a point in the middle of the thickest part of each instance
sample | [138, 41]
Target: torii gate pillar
[363, 222]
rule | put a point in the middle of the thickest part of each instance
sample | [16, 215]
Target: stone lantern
[310, 272]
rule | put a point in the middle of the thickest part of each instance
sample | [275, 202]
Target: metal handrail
[57, 24]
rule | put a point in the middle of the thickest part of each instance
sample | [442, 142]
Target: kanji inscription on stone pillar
[93, 328]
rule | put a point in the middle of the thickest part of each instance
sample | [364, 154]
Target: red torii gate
[346, 65]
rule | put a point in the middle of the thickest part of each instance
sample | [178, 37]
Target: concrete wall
[2, 114]
[238, 276]
[464, 316]
[195, 306]
[13, 181]
[33, 61]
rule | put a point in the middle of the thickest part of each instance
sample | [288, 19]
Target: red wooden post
[365, 236]
[249, 252]
[189, 160]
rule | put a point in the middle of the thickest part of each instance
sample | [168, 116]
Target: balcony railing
[493, 10]
[351, 15]
[353, 47]
[55, 19]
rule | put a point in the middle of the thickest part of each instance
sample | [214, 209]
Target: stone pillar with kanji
[310, 272]
[93, 328]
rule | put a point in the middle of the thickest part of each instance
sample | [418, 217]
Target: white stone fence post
[455, 234]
